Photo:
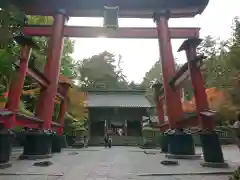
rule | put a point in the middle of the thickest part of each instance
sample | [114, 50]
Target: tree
[134, 86]
[154, 74]
[233, 61]
[101, 72]
[221, 70]
[68, 65]
[11, 22]
[216, 69]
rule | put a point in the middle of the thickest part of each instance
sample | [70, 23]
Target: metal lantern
[111, 17]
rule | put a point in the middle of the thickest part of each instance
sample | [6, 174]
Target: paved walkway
[118, 163]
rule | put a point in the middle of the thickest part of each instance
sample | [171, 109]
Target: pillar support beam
[17, 82]
[63, 108]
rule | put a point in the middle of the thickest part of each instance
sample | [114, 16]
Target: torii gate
[160, 10]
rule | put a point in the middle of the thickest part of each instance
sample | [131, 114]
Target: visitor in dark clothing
[106, 139]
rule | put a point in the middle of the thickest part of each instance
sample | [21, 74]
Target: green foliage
[56, 112]
[23, 109]
[19, 129]
[12, 20]
[216, 70]
[73, 125]
[68, 65]
[6, 68]
[101, 72]
[154, 74]
[222, 69]
[38, 60]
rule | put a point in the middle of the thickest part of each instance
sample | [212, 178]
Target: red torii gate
[163, 10]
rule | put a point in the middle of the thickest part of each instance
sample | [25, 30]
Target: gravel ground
[98, 163]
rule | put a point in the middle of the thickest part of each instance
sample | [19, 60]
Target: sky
[139, 55]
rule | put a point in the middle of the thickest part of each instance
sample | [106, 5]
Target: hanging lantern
[111, 17]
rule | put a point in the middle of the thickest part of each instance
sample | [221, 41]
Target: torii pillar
[41, 146]
[59, 141]
[173, 101]
[212, 151]
[180, 143]
[47, 97]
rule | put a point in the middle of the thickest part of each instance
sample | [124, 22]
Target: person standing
[106, 139]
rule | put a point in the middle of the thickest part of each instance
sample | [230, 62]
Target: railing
[225, 135]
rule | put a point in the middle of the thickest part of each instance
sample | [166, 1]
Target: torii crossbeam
[123, 32]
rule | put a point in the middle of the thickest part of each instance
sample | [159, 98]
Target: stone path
[118, 163]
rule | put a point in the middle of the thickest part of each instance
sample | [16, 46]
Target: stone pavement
[117, 163]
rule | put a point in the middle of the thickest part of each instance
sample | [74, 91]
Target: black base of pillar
[5, 147]
[164, 143]
[57, 142]
[212, 150]
[181, 143]
[38, 145]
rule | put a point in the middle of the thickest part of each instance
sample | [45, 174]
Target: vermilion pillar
[17, 84]
[173, 102]
[63, 108]
[197, 82]
[211, 147]
[47, 96]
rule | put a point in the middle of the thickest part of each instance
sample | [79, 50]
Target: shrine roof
[121, 99]
[127, 8]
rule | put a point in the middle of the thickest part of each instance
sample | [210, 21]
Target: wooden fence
[225, 135]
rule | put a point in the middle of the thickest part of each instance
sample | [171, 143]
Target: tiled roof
[118, 99]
